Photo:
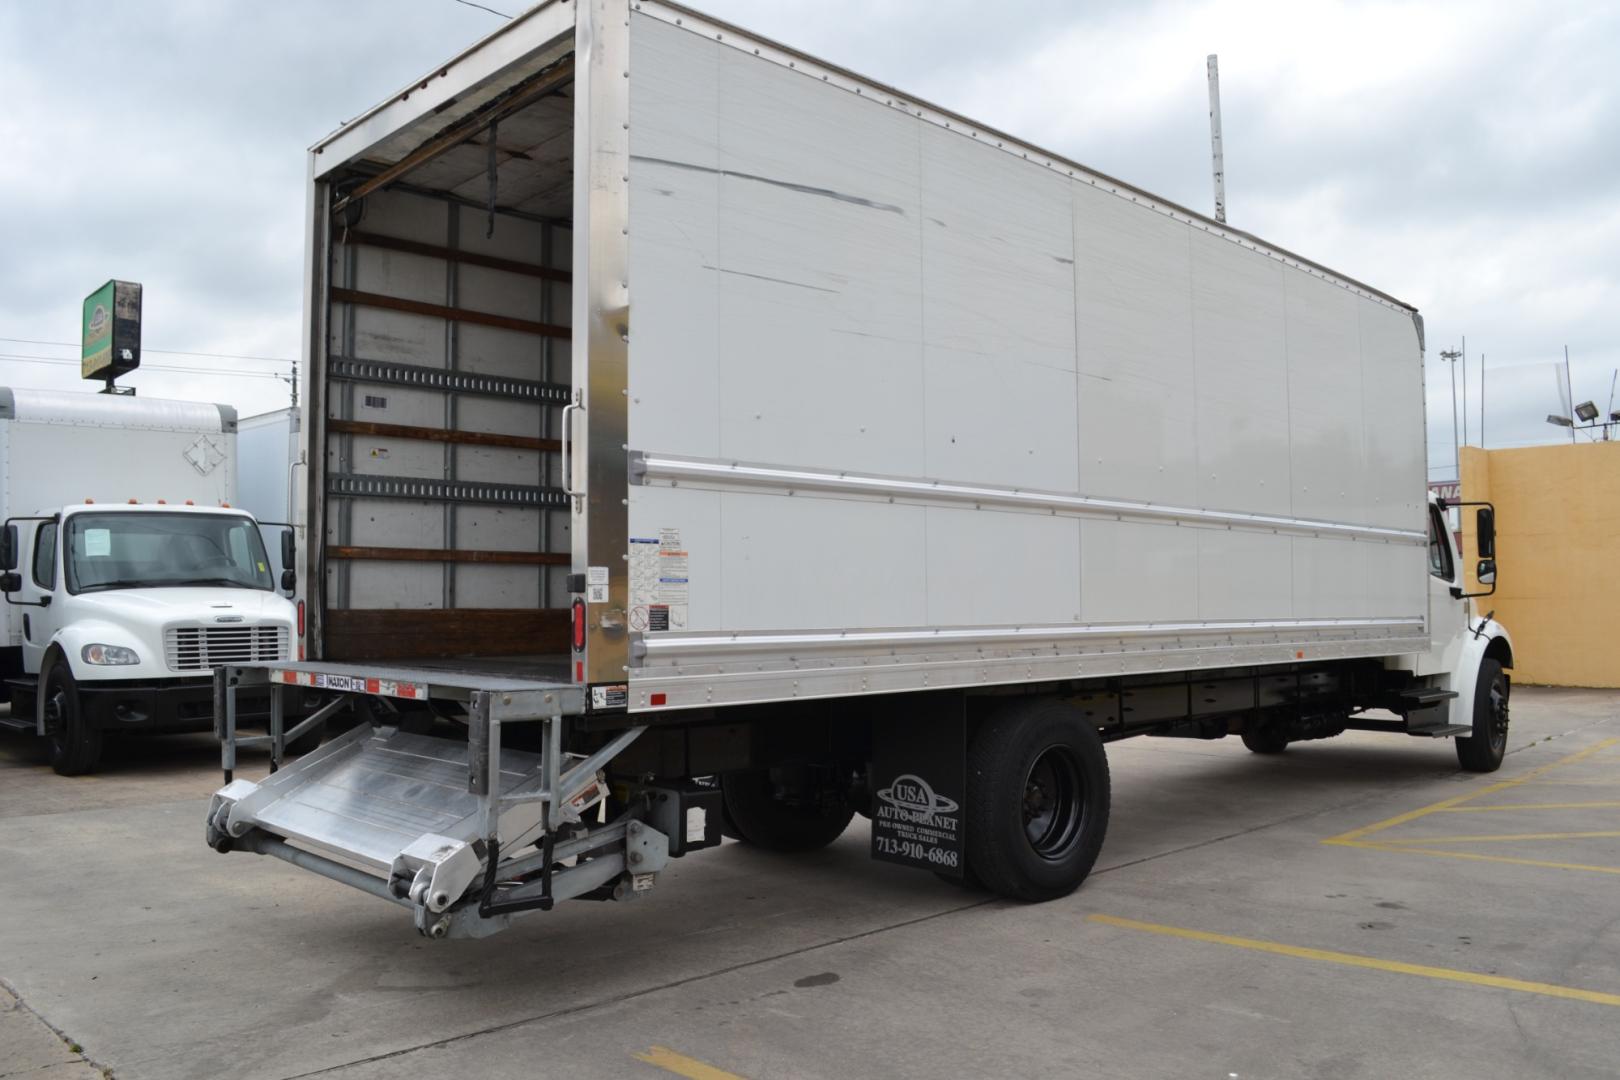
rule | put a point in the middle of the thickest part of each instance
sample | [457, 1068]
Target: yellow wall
[1557, 557]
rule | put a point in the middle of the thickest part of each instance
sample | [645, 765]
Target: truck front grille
[199, 648]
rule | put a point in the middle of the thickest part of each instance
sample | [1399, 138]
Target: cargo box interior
[447, 340]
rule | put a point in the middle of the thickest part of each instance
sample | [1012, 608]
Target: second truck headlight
[109, 654]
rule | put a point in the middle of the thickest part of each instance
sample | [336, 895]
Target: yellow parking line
[1608, 805]
[1499, 837]
[1353, 960]
[681, 1065]
[1407, 850]
[1501, 785]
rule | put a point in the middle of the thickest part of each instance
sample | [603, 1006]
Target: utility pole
[1217, 152]
[1482, 401]
[1451, 357]
[1570, 386]
[1465, 387]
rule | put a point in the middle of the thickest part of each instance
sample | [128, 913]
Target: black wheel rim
[1054, 803]
[56, 706]
[1498, 706]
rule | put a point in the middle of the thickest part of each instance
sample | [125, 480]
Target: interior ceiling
[534, 161]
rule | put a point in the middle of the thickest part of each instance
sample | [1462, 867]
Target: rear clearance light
[657, 699]
[300, 618]
[579, 625]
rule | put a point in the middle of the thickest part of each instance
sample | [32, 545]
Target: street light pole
[1451, 356]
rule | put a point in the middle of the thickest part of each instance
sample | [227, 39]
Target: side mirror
[1485, 532]
[1485, 572]
[10, 581]
[8, 549]
[289, 555]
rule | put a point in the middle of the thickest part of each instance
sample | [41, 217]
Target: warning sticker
[659, 582]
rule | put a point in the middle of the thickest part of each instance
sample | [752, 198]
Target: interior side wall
[485, 550]
[820, 279]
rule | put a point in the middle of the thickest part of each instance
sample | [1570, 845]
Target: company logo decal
[915, 796]
[98, 319]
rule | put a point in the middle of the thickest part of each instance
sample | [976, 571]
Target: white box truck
[782, 448]
[127, 573]
[267, 456]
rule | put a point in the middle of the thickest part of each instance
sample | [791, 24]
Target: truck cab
[126, 610]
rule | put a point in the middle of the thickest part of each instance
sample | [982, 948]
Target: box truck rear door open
[442, 338]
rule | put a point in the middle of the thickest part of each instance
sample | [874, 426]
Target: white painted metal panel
[1133, 319]
[995, 569]
[821, 563]
[826, 282]
[1135, 572]
[1244, 575]
[821, 291]
[675, 222]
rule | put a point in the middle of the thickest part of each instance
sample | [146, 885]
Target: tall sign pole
[1217, 153]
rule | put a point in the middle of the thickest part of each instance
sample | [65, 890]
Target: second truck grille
[198, 648]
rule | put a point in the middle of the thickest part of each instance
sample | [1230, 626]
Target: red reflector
[373, 686]
[579, 671]
[300, 618]
[657, 699]
[579, 626]
[300, 650]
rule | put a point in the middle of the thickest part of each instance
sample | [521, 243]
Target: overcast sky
[1462, 156]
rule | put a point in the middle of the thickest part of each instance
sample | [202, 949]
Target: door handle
[567, 464]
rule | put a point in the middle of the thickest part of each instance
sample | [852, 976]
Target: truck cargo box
[861, 396]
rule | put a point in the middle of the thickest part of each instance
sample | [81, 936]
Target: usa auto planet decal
[914, 822]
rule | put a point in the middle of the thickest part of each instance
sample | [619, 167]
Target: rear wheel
[1037, 800]
[75, 746]
[768, 809]
[1265, 740]
[1484, 749]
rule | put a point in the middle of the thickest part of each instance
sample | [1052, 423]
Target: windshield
[156, 550]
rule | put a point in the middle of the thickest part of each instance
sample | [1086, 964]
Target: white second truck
[785, 448]
[128, 575]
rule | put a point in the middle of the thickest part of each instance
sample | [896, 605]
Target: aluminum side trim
[698, 472]
[657, 646]
[781, 671]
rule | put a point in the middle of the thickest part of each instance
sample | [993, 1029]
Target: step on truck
[125, 571]
[702, 439]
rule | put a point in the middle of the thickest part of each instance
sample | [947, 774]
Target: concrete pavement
[1221, 935]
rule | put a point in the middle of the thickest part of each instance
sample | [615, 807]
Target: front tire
[755, 813]
[75, 745]
[1483, 751]
[1037, 800]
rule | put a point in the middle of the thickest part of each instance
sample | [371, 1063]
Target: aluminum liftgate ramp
[466, 835]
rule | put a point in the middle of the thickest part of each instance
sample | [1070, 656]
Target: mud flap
[919, 785]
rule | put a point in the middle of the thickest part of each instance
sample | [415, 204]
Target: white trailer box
[824, 441]
[58, 447]
[267, 446]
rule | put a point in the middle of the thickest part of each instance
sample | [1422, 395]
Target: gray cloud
[1461, 156]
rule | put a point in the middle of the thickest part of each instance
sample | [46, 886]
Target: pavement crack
[73, 1046]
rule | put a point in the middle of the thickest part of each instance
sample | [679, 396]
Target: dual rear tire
[1034, 817]
[1037, 800]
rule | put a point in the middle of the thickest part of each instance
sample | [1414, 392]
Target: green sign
[111, 331]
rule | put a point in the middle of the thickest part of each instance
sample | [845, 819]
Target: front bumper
[177, 705]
